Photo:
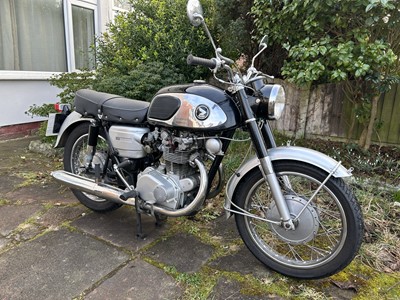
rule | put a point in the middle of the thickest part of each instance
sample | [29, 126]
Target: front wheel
[328, 231]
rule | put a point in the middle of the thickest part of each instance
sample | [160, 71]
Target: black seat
[110, 107]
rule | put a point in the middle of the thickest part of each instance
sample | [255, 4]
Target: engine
[174, 182]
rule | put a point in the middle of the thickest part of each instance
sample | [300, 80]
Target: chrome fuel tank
[193, 106]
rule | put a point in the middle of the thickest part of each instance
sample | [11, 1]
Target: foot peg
[129, 194]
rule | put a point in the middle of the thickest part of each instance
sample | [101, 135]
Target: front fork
[263, 138]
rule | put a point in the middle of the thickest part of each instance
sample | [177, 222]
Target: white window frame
[69, 43]
[69, 31]
[116, 10]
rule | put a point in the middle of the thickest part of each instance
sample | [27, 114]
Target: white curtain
[83, 26]
[32, 35]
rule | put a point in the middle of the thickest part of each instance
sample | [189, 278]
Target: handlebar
[199, 61]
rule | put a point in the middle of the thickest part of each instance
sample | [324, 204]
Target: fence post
[304, 99]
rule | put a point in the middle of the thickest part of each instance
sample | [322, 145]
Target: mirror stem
[209, 35]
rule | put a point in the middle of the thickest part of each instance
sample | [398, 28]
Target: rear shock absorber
[93, 134]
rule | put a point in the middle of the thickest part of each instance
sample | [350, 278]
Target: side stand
[139, 229]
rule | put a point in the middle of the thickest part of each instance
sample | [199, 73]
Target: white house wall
[18, 95]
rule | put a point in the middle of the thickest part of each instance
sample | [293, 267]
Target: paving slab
[3, 242]
[58, 265]
[119, 227]
[184, 252]
[231, 289]
[15, 156]
[8, 183]
[11, 147]
[224, 229]
[138, 280]
[59, 214]
[242, 262]
[27, 232]
[13, 215]
[51, 192]
[340, 294]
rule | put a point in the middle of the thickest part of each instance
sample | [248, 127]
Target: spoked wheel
[328, 230]
[74, 161]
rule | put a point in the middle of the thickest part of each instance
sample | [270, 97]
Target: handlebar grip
[199, 61]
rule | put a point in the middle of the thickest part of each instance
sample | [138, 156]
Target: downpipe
[112, 193]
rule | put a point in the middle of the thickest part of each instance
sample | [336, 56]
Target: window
[122, 5]
[32, 35]
[83, 29]
[47, 35]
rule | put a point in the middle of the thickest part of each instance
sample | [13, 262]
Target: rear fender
[301, 154]
[73, 120]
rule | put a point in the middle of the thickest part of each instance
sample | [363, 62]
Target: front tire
[74, 162]
[328, 232]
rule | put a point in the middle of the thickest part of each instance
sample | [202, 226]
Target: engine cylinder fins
[176, 157]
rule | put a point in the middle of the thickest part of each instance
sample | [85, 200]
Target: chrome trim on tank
[186, 114]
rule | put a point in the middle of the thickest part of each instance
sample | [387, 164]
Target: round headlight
[276, 102]
[269, 102]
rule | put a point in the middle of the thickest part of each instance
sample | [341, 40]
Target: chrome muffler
[89, 186]
[113, 193]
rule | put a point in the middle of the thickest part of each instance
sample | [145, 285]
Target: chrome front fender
[69, 123]
[301, 154]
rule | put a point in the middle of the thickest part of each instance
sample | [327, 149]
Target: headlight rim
[276, 102]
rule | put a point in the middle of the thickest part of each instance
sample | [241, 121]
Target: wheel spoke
[327, 233]
[320, 251]
[296, 255]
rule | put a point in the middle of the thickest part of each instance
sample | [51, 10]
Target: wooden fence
[325, 111]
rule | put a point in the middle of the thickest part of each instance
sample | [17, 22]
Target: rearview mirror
[195, 12]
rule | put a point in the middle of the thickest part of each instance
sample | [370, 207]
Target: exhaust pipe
[89, 186]
[113, 193]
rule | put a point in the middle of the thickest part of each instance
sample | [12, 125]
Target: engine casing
[127, 140]
[165, 190]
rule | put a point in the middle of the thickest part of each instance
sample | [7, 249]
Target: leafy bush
[330, 41]
[141, 82]
[71, 82]
[234, 26]
[327, 41]
[153, 40]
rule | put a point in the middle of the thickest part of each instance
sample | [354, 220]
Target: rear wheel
[75, 151]
[328, 231]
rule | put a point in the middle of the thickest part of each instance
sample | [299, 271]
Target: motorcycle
[291, 205]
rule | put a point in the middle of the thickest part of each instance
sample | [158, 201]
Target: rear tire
[74, 154]
[328, 233]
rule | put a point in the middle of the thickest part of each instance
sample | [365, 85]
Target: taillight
[62, 107]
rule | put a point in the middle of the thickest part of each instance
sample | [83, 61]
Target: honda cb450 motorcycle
[292, 208]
